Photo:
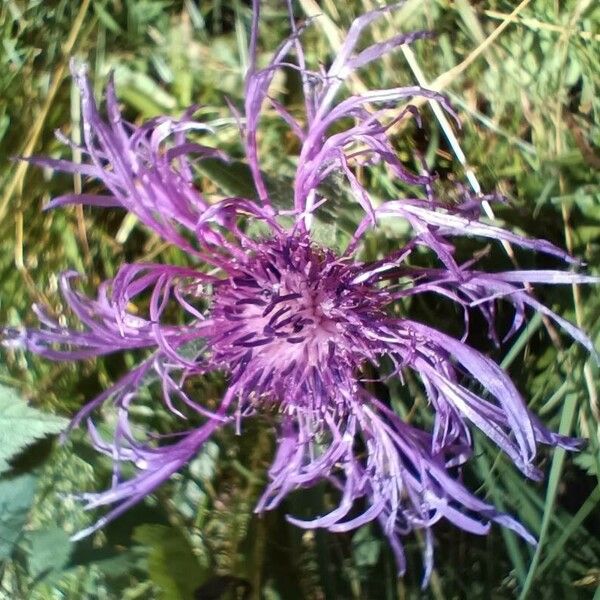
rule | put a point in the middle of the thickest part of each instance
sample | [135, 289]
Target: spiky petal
[294, 324]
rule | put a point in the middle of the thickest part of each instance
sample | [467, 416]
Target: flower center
[289, 320]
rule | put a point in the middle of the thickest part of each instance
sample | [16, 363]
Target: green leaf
[556, 549]
[142, 92]
[366, 547]
[172, 565]
[111, 561]
[566, 424]
[469, 16]
[326, 234]
[233, 178]
[16, 497]
[21, 425]
[106, 19]
[587, 462]
[50, 551]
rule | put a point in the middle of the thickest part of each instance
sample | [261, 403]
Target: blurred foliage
[529, 104]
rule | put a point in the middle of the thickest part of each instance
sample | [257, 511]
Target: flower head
[294, 324]
[288, 323]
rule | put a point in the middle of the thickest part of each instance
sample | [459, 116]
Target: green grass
[526, 82]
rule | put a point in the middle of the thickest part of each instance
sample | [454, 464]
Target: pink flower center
[290, 320]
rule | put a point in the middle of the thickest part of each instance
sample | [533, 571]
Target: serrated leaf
[16, 497]
[172, 565]
[21, 425]
[50, 551]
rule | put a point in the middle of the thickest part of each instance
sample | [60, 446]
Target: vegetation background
[525, 80]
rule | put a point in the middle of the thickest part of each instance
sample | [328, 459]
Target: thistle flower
[294, 324]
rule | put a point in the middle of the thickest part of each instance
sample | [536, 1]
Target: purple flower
[292, 323]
